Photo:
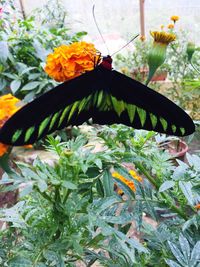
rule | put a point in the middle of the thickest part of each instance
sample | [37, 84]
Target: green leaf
[185, 247]
[186, 188]
[166, 185]
[99, 187]
[4, 51]
[26, 190]
[172, 263]
[27, 70]
[14, 86]
[42, 185]
[69, 185]
[30, 86]
[20, 261]
[195, 255]
[98, 162]
[177, 253]
[108, 184]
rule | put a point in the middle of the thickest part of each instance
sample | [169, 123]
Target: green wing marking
[173, 128]
[28, 133]
[54, 120]
[182, 130]
[43, 125]
[131, 111]
[164, 123]
[16, 135]
[154, 120]
[142, 115]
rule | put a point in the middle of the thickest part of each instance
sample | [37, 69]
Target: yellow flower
[157, 53]
[174, 18]
[162, 27]
[170, 26]
[163, 37]
[70, 61]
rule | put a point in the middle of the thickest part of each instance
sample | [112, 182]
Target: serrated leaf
[186, 188]
[172, 263]
[185, 247]
[166, 185]
[195, 255]
[177, 253]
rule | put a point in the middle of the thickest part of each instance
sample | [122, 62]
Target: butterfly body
[102, 94]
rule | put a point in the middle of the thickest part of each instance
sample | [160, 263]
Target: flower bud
[157, 54]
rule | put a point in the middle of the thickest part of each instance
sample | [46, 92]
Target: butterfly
[103, 94]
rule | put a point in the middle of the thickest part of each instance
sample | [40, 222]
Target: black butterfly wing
[136, 105]
[67, 104]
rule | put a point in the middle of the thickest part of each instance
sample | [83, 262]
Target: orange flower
[170, 26]
[70, 61]
[127, 182]
[8, 106]
[174, 18]
[135, 175]
[3, 149]
[197, 206]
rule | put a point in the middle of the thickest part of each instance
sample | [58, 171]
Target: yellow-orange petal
[170, 26]
[3, 149]
[197, 206]
[174, 18]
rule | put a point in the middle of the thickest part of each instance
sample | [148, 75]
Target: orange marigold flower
[170, 26]
[127, 182]
[70, 61]
[174, 18]
[135, 175]
[3, 149]
[197, 206]
[8, 106]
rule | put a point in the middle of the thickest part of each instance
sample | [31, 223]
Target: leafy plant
[24, 48]
[70, 212]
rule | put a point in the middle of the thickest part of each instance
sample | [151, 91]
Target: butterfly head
[107, 62]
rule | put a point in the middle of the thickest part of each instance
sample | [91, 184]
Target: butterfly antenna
[125, 45]
[95, 21]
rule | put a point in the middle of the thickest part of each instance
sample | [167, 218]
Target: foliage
[184, 89]
[70, 211]
[24, 47]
